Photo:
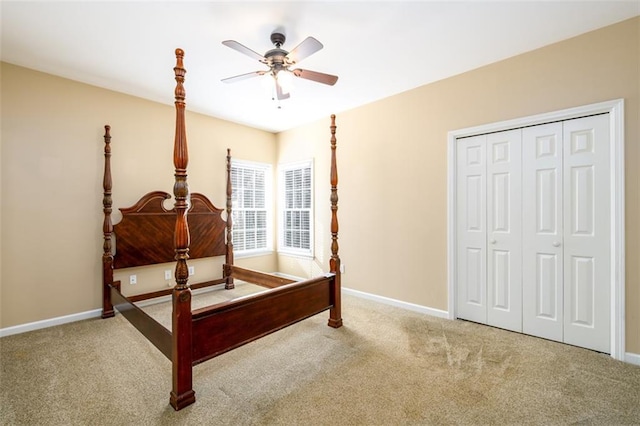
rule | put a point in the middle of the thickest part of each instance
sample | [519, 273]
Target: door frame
[615, 109]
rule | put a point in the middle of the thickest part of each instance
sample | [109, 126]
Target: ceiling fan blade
[243, 76]
[279, 93]
[308, 47]
[316, 76]
[243, 49]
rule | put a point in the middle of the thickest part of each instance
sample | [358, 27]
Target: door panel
[542, 254]
[582, 291]
[471, 207]
[504, 271]
[547, 286]
[587, 233]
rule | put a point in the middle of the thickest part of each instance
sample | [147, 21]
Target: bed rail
[167, 292]
[260, 278]
[150, 328]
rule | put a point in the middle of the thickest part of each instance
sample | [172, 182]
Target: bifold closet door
[504, 233]
[542, 231]
[566, 232]
[471, 219]
[587, 233]
[489, 220]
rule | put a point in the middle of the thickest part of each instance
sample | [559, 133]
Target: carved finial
[180, 73]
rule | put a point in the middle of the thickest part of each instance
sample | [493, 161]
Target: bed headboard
[145, 235]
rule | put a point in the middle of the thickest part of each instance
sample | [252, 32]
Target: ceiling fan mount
[279, 61]
[278, 39]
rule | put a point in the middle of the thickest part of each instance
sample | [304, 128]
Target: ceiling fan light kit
[279, 62]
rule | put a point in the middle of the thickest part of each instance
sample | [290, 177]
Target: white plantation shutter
[296, 186]
[250, 183]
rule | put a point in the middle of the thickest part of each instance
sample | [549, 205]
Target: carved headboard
[145, 234]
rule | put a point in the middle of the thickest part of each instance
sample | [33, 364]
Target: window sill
[295, 254]
[257, 253]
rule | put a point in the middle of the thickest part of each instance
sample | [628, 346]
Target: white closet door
[471, 229]
[504, 212]
[587, 233]
[542, 251]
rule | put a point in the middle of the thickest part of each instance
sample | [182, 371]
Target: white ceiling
[378, 49]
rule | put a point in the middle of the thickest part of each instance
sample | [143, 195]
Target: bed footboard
[226, 326]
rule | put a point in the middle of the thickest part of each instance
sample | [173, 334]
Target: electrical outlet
[192, 270]
[342, 268]
[167, 274]
[133, 279]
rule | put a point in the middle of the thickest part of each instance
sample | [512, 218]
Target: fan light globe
[285, 78]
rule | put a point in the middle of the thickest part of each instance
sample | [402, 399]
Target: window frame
[282, 208]
[268, 206]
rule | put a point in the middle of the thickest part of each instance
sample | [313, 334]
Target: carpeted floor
[386, 366]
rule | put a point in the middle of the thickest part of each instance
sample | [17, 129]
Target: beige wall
[52, 167]
[392, 158]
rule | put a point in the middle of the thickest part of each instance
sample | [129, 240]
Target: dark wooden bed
[150, 234]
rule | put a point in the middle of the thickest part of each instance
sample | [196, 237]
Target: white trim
[618, 229]
[615, 109]
[256, 253]
[51, 322]
[632, 358]
[452, 277]
[397, 303]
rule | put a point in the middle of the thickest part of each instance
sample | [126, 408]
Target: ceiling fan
[279, 62]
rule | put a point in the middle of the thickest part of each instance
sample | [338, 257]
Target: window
[250, 206]
[296, 215]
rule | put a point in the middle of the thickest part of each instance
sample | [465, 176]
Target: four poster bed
[194, 228]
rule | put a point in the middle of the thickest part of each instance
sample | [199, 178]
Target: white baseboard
[398, 303]
[632, 358]
[23, 328]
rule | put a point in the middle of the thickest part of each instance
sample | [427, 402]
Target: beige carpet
[386, 366]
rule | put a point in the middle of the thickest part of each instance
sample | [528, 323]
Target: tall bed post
[229, 248]
[107, 229]
[182, 393]
[335, 314]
